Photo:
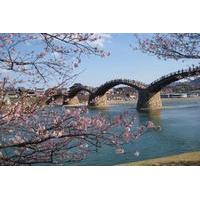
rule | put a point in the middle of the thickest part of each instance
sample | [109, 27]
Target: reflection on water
[155, 117]
[179, 122]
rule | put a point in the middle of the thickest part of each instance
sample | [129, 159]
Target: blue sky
[124, 63]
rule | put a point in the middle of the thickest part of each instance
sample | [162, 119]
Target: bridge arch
[163, 81]
[101, 91]
[149, 98]
[73, 91]
[54, 98]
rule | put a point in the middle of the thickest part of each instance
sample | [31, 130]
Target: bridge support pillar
[72, 101]
[100, 101]
[148, 101]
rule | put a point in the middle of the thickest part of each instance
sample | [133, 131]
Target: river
[180, 132]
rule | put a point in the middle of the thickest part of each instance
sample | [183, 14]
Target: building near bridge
[174, 95]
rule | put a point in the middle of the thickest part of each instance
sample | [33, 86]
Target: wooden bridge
[149, 95]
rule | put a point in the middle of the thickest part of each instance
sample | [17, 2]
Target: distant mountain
[193, 82]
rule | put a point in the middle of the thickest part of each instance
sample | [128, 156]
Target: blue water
[180, 132]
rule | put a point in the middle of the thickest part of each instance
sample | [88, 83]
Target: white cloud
[104, 38]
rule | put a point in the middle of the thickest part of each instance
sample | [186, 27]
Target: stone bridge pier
[100, 101]
[148, 100]
[72, 101]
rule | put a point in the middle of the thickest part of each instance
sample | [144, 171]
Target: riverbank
[188, 99]
[185, 159]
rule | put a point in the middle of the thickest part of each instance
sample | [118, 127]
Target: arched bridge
[163, 81]
[73, 91]
[149, 98]
[100, 91]
[76, 88]
[149, 95]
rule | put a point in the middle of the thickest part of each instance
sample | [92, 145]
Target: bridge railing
[141, 84]
[137, 83]
[191, 69]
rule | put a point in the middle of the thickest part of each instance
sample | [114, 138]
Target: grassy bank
[186, 159]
